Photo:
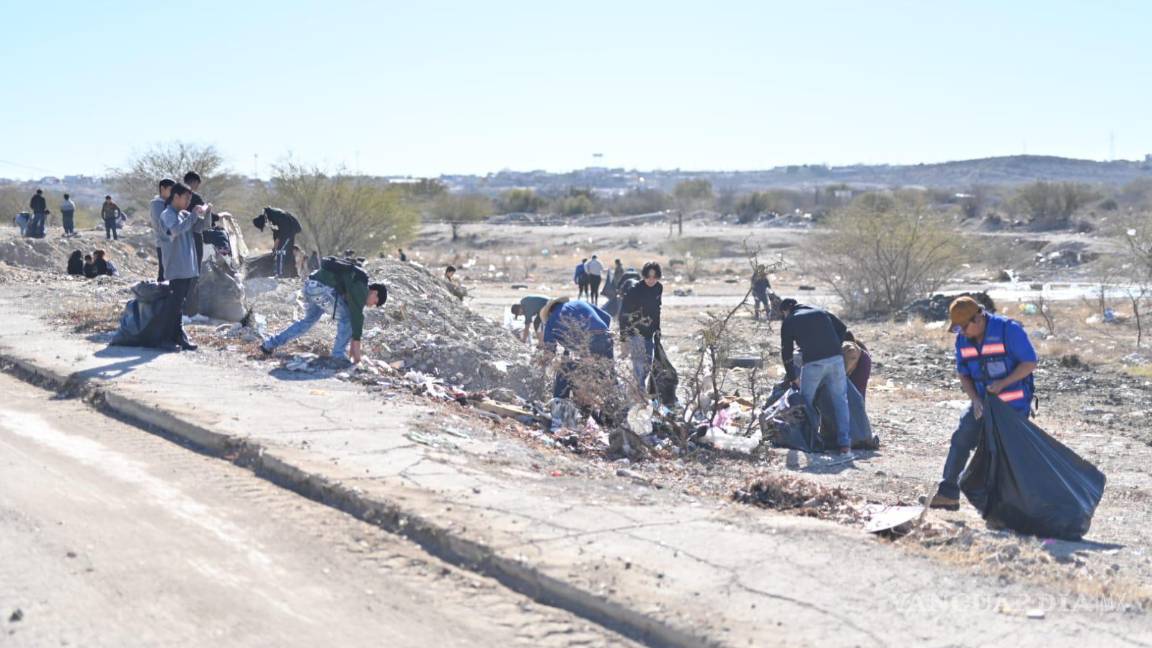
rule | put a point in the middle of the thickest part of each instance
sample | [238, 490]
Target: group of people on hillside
[90, 265]
[34, 223]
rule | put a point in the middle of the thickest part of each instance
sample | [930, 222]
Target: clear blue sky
[427, 87]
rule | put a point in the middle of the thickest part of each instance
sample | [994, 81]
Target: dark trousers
[110, 230]
[594, 288]
[964, 441]
[582, 282]
[69, 219]
[172, 312]
[198, 237]
[160, 262]
[600, 346]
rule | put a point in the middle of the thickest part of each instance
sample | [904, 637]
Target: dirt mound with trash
[424, 328]
[133, 253]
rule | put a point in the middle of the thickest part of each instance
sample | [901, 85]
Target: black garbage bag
[787, 424]
[784, 421]
[1022, 479]
[139, 325]
[663, 379]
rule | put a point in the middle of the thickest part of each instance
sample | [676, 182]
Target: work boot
[939, 501]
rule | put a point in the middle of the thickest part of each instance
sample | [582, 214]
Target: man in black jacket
[285, 227]
[820, 335]
[39, 212]
[640, 321]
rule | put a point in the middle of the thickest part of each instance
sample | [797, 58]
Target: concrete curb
[441, 541]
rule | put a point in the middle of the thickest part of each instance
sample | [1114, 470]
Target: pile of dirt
[134, 253]
[935, 308]
[424, 327]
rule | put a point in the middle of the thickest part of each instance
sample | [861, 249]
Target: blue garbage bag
[1022, 479]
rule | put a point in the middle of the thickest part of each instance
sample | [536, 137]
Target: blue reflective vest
[1004, 347]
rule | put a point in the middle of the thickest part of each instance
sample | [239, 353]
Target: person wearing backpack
[993, 357]
[342, 288]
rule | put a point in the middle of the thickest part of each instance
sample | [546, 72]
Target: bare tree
[339, 212]
[1050, 205]
[882, 251]
[136, 181]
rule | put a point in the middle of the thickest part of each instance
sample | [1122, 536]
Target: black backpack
[341, 267]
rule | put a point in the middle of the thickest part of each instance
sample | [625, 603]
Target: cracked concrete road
[110, 536]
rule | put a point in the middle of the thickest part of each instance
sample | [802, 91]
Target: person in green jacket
[342, 289]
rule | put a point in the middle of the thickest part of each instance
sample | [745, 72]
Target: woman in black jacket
[76, 263]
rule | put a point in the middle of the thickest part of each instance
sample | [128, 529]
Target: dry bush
[883, 251]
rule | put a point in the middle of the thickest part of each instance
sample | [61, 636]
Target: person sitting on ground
[640, 322]
[89, 266]
[76, 263]
[580, 278]
[583, 330]
[994, 359]
[103, 265]
[343, 289]
[529, 308]
[857, 363]
[403, 257]
[820, 336]
[450, 274]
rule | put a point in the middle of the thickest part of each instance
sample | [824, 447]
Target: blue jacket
[580, 273]
[1004, 347]
[577, 324]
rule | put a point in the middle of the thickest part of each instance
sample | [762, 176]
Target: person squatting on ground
[529, 308]
[580, 278]
[181, 267]
[820, 336]
[89, 267]
[593, 272]
[68, 215]
[343, 289]
[993, 357]
[102, 264]
[76, 263]
[857, 363]
[640, 321]
[584, 332]
[110, 215]
[285, 228]
[155, 209]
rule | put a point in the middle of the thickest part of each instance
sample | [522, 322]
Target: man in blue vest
[994, 359]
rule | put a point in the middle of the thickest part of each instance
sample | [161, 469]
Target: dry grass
[104, 318]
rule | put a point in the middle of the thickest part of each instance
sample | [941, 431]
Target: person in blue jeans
[994, 359]
[819, 334]
[584, 331]
[343, 290]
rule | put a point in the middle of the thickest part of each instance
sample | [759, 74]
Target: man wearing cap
[994, 359]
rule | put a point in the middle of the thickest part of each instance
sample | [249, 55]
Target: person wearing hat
[994, 359]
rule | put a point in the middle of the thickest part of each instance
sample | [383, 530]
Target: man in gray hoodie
[181, 267]
[155, 209]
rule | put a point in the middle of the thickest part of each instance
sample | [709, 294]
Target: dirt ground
[1095, 385]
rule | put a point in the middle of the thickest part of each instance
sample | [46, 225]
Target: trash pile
[802, 497]
[935, 308]
[427, 329]
[1065, 255]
